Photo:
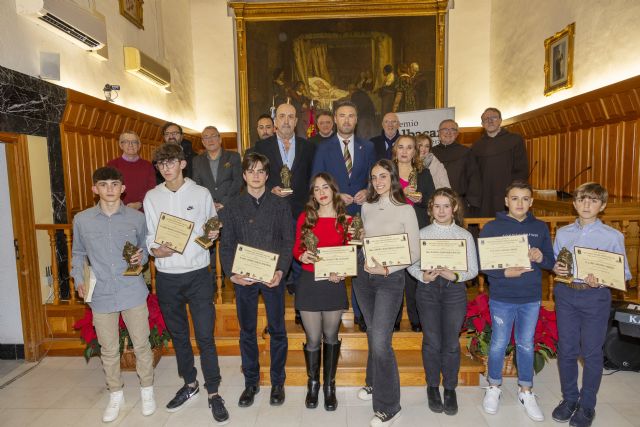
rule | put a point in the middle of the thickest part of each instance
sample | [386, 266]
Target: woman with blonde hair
[430, 161]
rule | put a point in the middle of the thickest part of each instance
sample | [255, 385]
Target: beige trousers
[137, 321]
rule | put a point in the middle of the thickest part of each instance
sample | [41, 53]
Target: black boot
[434, 399]
[330, 366]
[312, 360]
[450, 402]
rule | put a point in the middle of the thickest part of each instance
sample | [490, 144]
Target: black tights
[319, 323]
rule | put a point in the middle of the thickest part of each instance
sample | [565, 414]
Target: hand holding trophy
[310, 243]
[357, 227]
[212, 224]
[413, 183]
[128, 252]
[565, 257]
[285, 177]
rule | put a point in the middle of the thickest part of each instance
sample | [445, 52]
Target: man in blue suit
[348, 159]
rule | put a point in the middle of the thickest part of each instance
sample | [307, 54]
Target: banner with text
[425, 122]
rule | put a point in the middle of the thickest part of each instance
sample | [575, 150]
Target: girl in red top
[321, 303]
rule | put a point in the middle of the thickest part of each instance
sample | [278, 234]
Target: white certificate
[607, 267]
[497, 253]
[341, 260]
[173, 232]
[257, 264]
[387, 250]
[443, 253]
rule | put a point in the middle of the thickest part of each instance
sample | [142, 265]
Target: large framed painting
[383, 55]
[558, 60]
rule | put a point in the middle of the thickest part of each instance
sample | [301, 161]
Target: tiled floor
[68, 392]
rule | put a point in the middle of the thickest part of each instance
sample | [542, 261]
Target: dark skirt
[322, 295]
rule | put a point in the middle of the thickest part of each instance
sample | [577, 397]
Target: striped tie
[347, 157]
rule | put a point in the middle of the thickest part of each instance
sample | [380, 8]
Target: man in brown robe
[462, 170]
[502, 159]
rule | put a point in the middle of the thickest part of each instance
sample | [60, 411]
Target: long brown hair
[416, 162]
[312, 206]
[397, 195]
[454, 199]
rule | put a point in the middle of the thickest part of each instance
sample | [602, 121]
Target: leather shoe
[416, 327]
[450, 402]
[277, 395]
[434, 399]
[246, 398]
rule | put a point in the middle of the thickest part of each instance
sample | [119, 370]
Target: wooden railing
[53, 231]
[629, 225]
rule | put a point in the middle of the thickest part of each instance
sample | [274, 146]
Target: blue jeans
[504, 316]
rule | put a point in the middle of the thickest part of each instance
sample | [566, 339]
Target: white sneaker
[116, 401]
[381, 419]
[528, 400]
[491, 399]
[148, 401]
[365, 393]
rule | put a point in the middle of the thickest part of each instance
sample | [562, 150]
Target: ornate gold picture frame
[351, 41]
[132, 10]
[558, 60]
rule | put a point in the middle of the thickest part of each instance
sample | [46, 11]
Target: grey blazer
[229, 180]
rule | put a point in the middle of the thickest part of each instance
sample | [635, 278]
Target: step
[352, 367]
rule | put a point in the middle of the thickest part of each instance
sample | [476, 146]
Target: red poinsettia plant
[477, 325]
[158, 337]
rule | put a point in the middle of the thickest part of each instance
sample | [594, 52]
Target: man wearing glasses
[259, 218]
[138, 173]
[184, 278]
[502, 159]
[462, 170]
[172, 134]
[383, 143]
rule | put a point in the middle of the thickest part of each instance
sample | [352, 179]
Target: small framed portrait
[558, 62]
[132, 10]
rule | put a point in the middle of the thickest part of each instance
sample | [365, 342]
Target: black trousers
[195, 288]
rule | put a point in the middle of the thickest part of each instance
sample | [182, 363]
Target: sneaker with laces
[491, 399]
[148, 401]
[183, 397]
[365, 393]
[528, 400]
[582, 417]
[564, 411]
[220, 413]
[384, 419]
[116, 401]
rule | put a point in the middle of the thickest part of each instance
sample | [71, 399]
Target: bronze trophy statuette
[212, 224]
[129, 251]
[413, 182]
[310, 242]
[358, 230]
[285, 177]
[566, 257]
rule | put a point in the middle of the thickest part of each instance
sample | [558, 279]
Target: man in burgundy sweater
[139, 174]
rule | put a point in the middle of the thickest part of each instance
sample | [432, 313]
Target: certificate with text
[443, 253]
[389, 250]
[497, 253]
[607, 267]
[173, 232]
[341, 260]
[255, 263]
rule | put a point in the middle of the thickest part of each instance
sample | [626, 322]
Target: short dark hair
[345, 104]
[593, 190]
[387, 68]
[250, 159]
[321, 113]
[168, 152]
[494, 109]
[106, 173]
[166, 126]
[519, 184]
[265, 116]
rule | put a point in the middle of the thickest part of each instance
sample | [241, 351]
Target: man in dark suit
[324, 123]
[383, 143]
[285, 148]
[335, 156]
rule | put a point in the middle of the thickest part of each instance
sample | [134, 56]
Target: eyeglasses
[167, 164]
[130, 142]
[208, 137]
[390, 122]
[256, 171]
[490, 119]
[448, 130]
[175, 133]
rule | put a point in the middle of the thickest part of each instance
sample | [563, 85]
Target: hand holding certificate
[497, 253]
[387, 250]
[443, 253]
[606, 267]
[341, 260]
[255, 263]
[173, 232]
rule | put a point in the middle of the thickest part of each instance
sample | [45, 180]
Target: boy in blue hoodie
[515, 296]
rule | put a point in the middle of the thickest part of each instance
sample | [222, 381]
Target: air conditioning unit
[68, 20]
[142, 66]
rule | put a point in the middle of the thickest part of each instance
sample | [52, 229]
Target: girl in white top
[441, 298]
[380, 289]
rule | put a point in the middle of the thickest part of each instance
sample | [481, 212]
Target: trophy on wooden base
[413, 182]
[310, 243]
[358, 230]
[285, 177]
[566, 257]
[212, 224]
[128, 252]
